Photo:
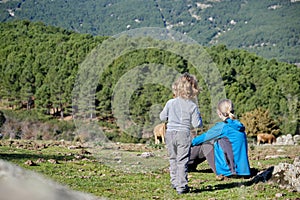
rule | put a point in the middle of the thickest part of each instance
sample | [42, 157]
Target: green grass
[121, 173]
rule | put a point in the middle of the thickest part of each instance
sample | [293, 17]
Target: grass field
[138, 171]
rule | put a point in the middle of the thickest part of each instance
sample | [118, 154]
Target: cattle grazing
[159, 132]
[264, 137]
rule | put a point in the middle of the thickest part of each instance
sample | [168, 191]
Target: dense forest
[40, 64]
[271, 29]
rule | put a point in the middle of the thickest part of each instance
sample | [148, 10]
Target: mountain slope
[41, 63]
[269, 28]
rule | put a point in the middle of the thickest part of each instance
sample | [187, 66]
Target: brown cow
[264, 137]
[159, 131]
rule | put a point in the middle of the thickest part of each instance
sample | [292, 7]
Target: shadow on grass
[208, 170]
[26, 156]
[253, 179]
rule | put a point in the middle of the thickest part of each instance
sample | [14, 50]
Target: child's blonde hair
[225, 108]
[186, 86]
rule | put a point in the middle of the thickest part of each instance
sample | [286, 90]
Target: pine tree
[2, 118]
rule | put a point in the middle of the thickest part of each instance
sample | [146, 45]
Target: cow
[159, 132]
[264, 137]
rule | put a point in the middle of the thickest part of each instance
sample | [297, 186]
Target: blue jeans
[178, 145]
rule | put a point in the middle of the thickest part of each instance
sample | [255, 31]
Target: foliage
[253, 82]
[40, 63]
[259, 121]
[2, 118]
[28, 125]
[269, 28]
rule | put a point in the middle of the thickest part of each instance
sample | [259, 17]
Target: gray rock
[296, 139]
[147, 154]
[287, 175]
[17, 183]
[287, 140]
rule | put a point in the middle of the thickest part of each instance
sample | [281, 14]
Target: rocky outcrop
[287, 175]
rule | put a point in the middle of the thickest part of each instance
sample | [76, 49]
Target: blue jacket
[234, 131]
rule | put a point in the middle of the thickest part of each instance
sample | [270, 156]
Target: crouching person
[224, 146]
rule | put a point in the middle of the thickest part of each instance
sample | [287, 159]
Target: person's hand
[193, 143]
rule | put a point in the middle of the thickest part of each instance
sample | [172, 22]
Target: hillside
[40, 64]
[269, 28]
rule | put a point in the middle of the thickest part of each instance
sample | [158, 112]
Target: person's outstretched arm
[212, 133]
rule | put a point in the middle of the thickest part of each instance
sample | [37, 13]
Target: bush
[23, 125]
[259, 121]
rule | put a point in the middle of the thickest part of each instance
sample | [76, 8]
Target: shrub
[259, 121]
[22, 125]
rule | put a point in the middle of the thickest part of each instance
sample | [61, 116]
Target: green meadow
[121, 171]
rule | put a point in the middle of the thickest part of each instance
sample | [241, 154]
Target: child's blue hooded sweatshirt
[234, 131]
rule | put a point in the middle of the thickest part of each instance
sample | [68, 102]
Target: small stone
[40, 160]
[280, 150]
[279, 195]
[147, 154]
[30, 163]
[74, 147]
[52, 161]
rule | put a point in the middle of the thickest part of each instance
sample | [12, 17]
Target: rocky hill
[268, 28]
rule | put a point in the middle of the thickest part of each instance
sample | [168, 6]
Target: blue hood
[235, 124]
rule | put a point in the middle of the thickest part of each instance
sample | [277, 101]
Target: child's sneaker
[186, 190]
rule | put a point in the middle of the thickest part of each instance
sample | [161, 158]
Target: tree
[27, 91]
[2, 118]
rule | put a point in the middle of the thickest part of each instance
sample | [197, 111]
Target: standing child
[180, 113]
